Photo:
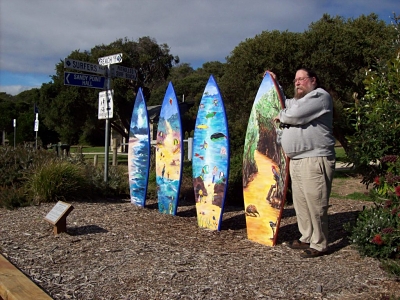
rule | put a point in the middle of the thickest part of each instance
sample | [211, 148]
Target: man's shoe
[297, 244]
[310, 253]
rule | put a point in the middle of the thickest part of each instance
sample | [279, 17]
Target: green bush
[12, 197]
[54, 180]
[117, 181]
[376, 232]
[14, 163]
[375, 118]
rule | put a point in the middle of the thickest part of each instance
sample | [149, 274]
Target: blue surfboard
[169, 153]
[210, 165]
[139, 151]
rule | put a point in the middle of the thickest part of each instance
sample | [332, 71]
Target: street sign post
[109, 60]
[84, 66]
[15, 129]
[84, 80]
[123, 72]
[106, 104]
[99, 82]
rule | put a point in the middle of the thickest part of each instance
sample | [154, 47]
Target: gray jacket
[310, 131]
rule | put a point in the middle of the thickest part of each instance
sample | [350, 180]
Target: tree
[340, 50]
[376, 119]
[72, 111]
[271, 50]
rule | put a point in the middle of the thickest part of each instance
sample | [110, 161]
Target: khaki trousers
[311, 187]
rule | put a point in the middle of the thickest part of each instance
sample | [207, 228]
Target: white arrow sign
[112, 59]
[106, 104]
[84, 66]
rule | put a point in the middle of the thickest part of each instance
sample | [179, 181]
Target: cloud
[16, 89]
[36, 35]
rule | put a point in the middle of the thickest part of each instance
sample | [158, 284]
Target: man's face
[303, 84]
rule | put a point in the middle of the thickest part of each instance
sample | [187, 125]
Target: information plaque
[58, 216]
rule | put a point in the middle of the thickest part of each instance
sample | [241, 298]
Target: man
[308, 140]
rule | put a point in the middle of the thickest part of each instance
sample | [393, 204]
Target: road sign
[112, 59]
[36, 125]
[106, 104]
[84, 66]
[123, 72]
[84, 80]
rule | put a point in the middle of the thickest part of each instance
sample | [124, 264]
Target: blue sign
[84, 80]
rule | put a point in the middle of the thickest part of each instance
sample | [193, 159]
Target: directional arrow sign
[84, 66]
[112, 59]
[123, 72]
[84, 80]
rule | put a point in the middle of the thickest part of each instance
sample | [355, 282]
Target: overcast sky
[36, 34]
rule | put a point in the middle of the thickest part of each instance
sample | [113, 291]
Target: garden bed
[114, 250]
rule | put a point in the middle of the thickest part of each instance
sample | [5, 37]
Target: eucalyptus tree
[72, 111]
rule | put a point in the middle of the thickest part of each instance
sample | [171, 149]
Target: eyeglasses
[300, 79]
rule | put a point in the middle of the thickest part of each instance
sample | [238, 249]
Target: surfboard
[169, 153]
[210, 165]
[139, 151]
[265, 166]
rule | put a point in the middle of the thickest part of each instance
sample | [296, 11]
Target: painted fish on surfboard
[169, 153]
[210, 165]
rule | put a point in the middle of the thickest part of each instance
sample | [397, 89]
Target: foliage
[12, 197]
[235, 186]
[377, 230]
[117, 183]
[28, 176]
[376, 119]
[71, 111]
[55, 180]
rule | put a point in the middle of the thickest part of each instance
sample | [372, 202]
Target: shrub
[56, 179]
[12, 197]
[376, 232]
[117, 182]
[375, 119]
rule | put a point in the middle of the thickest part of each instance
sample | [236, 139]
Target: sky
[36, 35]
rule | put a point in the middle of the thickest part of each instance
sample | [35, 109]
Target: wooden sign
[58, 216]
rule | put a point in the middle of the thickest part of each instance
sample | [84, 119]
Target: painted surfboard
[139, 151]
[210, 165]
[265, 166]
[169, 153]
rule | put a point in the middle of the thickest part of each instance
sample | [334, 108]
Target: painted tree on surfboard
[265, 166]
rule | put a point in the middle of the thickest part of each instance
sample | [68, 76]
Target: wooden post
[115, 149]
[95, 160]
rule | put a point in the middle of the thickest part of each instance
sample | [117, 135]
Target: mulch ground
[115, 250]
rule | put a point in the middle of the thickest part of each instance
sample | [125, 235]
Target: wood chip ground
[115, 250]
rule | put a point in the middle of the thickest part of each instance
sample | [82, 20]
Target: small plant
[12, 197]
[376, 232]
[56, 179]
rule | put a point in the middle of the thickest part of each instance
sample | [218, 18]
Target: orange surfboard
[265, 166]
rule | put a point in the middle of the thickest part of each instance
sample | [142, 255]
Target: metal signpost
[36, 128]
[123, 72]
[84, 80]
[107, 61]
[99, 82]
[15, 129]
[84, 66]
[106, 106]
